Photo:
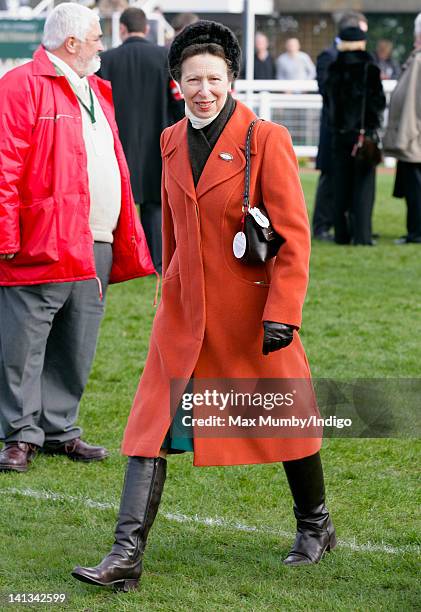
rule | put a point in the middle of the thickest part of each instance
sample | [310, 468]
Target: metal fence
[294, 104]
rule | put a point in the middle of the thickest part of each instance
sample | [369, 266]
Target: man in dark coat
[144, 106]
[264, 64]
[323, 207]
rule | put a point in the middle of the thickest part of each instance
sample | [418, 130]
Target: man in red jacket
[68, 227]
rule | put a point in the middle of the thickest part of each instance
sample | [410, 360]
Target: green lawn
[361, 319]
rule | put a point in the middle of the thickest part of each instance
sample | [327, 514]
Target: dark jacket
[389, 68]
[144, 106]
[324, 60]
[263, 69]
[345, 87]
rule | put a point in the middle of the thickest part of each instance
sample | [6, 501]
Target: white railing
[295, 104]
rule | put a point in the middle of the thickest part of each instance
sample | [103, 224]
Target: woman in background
[403, 139]
[353, 80]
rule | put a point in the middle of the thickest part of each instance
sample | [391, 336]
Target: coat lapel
[217, 170]
[179, 166]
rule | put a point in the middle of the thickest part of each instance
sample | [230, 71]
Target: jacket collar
[78, 84]
[42, 65]
[217, 170]
[136, 39]
[354, 57]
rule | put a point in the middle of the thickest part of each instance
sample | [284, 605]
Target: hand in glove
[276, 336]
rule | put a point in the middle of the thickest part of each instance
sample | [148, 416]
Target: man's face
[87, 60]
[292, 46]
[261, 42]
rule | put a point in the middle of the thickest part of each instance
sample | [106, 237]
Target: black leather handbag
[367, 150]
[257, 241]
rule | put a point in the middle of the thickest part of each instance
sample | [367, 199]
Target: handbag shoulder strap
[246, 195]
[364, 103]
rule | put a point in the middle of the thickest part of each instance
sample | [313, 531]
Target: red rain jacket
[44, 191]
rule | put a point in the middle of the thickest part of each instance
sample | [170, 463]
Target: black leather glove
[276, 336]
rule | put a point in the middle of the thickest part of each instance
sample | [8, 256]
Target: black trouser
[324, 205]
[150, 215]
[410, 186]
[354, 193]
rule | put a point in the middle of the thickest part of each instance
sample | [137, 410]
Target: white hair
[67, 19]
[417, 25]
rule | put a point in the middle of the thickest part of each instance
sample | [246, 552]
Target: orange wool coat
[209, 320]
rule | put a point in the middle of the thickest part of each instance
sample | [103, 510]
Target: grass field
[361, 319]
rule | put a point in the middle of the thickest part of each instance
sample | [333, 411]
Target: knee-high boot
[142, 490]
[315, 531]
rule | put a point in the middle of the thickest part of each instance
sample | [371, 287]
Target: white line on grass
[208, 521]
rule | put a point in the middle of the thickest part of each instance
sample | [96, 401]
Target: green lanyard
[89, 109]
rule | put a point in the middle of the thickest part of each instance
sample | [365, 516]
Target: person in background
[182, 20]
[144, 106]
[389, 68]
[353, 84]
[264, 64]
[107, 8]
[294, 64]
[322, 221]
[68, 227]
[403, 139]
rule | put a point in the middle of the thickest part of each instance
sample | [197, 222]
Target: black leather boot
[140, 498]
[315, 531]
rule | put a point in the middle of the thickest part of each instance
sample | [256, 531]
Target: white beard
[88, 68]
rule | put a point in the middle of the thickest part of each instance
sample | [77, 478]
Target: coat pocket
[173, 267]
[38, 234]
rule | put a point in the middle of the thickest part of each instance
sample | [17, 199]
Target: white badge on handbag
[259, 217]
[239, 244]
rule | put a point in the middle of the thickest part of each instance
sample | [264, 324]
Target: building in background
[311, 20]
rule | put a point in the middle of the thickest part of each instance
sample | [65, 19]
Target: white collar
[80, 84]
[197, 122]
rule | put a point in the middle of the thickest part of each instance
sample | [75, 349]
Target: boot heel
[127, 585]
[332, 542]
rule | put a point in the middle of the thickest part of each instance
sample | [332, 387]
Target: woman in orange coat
[216, 312]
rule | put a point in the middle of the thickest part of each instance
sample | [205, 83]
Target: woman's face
[205, 84]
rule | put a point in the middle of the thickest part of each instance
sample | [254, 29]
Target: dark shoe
[315, 531]
[315, 536]
[408, 240]
[324, 237]
[140, 499]
[15, 456]
[370, 243]
[77, 450]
